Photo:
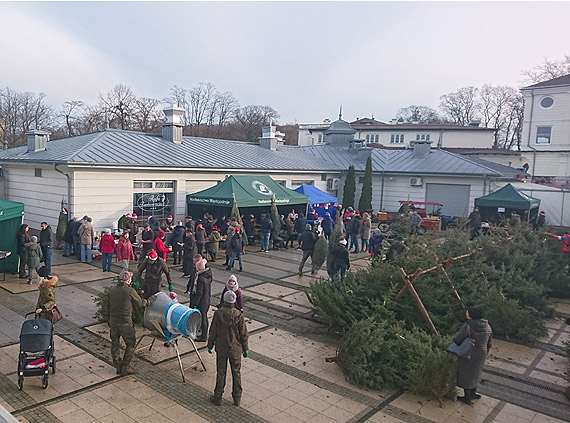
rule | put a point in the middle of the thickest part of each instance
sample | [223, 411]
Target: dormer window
[546, 102]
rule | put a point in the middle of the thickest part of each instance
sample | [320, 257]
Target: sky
[304, 59]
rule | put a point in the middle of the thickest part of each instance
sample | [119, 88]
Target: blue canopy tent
[319, 200]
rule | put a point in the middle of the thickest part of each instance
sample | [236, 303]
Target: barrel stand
[160, 337]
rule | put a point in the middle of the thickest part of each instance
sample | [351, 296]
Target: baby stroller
[36, 350]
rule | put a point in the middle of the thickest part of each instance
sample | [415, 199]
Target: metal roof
[561, 80]
[128, 148]
[340, 127]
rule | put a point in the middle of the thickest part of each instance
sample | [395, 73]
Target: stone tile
[512, 413]
[264, 410]
[284, 417]
[553, 363]
[519, 354]
[271, 290]
[302, 412]
[75, 416]
[290, 306]
[557, 380]
[62, 408]
[541, 418]
[117, 417]
[382, 417]
[280, 402]
[299, 298]
[338, 414]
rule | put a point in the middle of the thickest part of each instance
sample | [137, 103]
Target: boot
[216, 400]
[237, 401]
[241, 269]
[128, 371]
[474, 395]
[466, 398]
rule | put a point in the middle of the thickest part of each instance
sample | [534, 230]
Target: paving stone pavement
[285, 379]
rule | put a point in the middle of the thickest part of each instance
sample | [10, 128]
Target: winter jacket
[153, 276]
[132, 227]
[121, 297]
[356, 227]
[228, 332]
[327, 224]
[125, 250]
[308, 240]
[365, 231]
[22, 240]
[86, 233]
[190, 225]
[249, 227]
[68, 236]
[236, 244]
[147, 246]
[160, 248]
[75, 228]
[200, 235]
[34, 255]
[340, 253]
[107, 244]
[177, 237]
[46, 300]
[376, 245]
[266, 225]
[45, 238]
[201, 290]
[469, 369]
[214, 244]
[300, 223]
[239, 299]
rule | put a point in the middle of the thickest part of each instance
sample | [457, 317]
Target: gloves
[152, 299]
[245, 354]
[209, 351]
[170, 288]
[137, 284]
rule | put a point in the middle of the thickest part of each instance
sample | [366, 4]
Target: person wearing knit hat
[46, 300]
[232, 285]
[469, 368]
[34, 257]
[154, 267]
[120, 297]
[229, 336]
[341, 258]
[200, 293]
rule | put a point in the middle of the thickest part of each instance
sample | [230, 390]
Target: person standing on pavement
[189, 253]
[474, 223]
[355, 230]
[365, 231]
[46, 299]
[34, 256]
[469, 368]
[147, 240]
[23, 238]
[328, 225]
[177, 242]
[68, 246]
[214, 243]
[107, 247]
[76, 237]
[45, 244]
[300, 224]
[232, 285]
[236, 249]
[375, 243]
[154, 267]
[200, 236]
[120, 321]
[341, 258]
[200, 295]
[87, 236]
[229, 336]
[266, 228]
[308, 239]
[125, 250]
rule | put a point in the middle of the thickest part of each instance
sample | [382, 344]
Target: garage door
[195, 185]
[455, 198]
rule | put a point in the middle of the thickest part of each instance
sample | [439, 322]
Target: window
[376, 138]
[546, 102]
[422, 137]
[153, 198]
[323, 176]
[368, 138]
[361, 179]
[321, 138]
[543, 134]
[397, 139]
[38, 172]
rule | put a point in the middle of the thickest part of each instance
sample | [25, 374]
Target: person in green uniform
[121, 297]
[228, 334]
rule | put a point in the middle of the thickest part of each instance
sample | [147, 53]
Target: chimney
[271, 138]
[475, 123]
[37, 140]
[172, 128]
[421, 148]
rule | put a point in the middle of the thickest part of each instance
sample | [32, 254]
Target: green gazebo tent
[249, 191]
[510, 199]
[11, 214]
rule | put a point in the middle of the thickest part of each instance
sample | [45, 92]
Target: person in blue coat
[328, 225]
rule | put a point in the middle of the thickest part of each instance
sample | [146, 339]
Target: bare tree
[92, 119]
[549, 69]
[120, 104]
[200, 98]
[70, 113]
[419, 114]
[250, 120]
[460, 106]
[147, 116]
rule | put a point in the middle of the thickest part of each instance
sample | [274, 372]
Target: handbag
[464, 349]
[56, 315]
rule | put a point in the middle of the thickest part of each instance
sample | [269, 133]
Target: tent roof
[249, 191]
[316, 196]
[508, 197]
[10, 209]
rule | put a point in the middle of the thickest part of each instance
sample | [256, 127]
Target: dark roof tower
[340, 132]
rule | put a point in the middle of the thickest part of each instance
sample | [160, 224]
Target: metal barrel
[173, 317]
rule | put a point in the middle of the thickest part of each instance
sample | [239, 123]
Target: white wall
[41, 195]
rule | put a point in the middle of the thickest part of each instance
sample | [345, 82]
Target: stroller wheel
[53, 365]
[45, 381]
[20, 382]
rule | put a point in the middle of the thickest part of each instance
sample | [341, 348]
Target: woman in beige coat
[46, 300]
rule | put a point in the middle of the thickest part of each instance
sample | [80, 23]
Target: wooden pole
[418, 300]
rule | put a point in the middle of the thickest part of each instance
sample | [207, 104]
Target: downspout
[68, 188]
[529, 132]
[382, 194]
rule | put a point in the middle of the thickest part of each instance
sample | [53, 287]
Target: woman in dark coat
[469, 369]
[23, 238]
[189, 253]
[200, 236]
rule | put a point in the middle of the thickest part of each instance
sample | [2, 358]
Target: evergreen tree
[275, 220]
[349, 188]
[365, 202]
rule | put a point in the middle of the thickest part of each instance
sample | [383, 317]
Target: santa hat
[216, 227]
[169, 216]
[64, 211]
[128, 215]
[134, 216]
[152, 255]
[149, 216]
[542, 212]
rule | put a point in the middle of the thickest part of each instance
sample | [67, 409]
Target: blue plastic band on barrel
[176, 316]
